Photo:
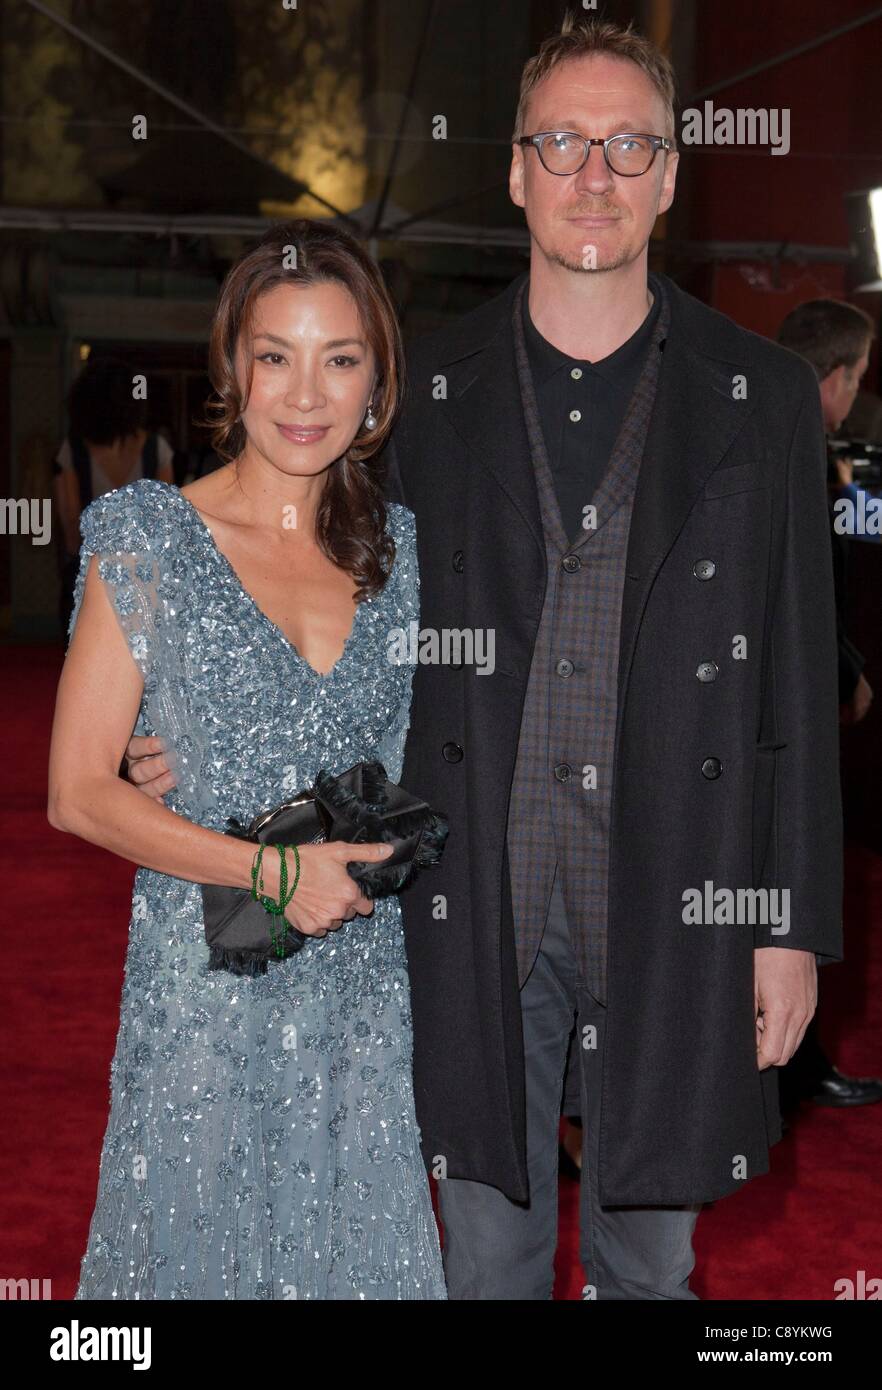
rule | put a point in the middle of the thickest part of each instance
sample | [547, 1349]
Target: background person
[107, 446]
[835, 338]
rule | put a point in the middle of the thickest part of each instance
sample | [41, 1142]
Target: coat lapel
[694, 423]
[484, 407]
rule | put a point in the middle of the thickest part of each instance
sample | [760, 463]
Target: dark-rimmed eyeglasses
[565, 151]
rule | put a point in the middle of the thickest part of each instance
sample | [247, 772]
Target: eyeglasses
[564, 152]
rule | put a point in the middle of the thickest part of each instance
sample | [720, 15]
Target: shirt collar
[546, 359]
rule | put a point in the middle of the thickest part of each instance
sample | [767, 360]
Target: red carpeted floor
[790, 1235]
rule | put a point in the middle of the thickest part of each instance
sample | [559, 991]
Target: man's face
[839, 389]
[593, 216]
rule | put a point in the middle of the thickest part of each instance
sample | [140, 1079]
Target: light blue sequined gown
[262, 1142]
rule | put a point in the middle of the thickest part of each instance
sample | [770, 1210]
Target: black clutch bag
[358, 805]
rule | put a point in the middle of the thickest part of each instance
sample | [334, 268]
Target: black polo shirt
[581, 408]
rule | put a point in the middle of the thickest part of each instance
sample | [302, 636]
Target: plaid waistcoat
[562, 785]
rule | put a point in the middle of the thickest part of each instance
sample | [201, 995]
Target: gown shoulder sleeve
[119, 529]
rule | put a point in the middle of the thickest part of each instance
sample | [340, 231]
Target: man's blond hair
[581, 38]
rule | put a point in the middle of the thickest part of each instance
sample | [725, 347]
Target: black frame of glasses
[659, 142]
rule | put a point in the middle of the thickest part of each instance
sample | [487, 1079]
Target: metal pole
[787, 55]
[173, 100]
[411, 87]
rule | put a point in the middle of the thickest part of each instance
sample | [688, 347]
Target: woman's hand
[326, 896]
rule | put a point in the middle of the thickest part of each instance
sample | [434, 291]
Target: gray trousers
[495, 1248]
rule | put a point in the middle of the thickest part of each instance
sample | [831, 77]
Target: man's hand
[859, 704]
[147, 767]
[785, 996]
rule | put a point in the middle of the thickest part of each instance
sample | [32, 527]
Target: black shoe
[832, 1088]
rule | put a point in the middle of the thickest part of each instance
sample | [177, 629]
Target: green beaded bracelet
[274, 908]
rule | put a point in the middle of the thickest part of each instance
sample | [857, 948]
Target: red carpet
[790, 1235]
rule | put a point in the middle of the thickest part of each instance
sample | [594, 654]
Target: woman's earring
[370, 420]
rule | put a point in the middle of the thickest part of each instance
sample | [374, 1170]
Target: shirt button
[704, 569]
[452, 753]
[711, 768]
[457, 561]
[575, 416]
[576, 373]
[571, 563]
[707, 671]
[564, 667]
[563, 772]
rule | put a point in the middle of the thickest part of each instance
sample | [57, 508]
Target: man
[835, 338]
[660, 712]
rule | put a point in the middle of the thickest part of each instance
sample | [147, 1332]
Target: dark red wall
[835, 98]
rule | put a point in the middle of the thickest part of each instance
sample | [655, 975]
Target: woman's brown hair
[351, 517]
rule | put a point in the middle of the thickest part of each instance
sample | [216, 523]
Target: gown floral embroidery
[262, 1141]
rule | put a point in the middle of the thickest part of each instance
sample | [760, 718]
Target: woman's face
[313, 376]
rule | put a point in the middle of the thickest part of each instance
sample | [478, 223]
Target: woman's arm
[99, 696]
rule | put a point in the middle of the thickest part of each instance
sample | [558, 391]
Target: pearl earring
[370, 420]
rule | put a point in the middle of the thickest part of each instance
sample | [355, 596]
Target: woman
[262, 1142]
[106, 447]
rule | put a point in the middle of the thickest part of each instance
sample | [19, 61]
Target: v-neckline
[234, 578]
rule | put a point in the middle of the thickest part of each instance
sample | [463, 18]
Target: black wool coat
[733, 780]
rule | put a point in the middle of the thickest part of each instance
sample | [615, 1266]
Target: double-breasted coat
[732, 780]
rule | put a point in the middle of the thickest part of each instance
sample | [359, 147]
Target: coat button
[571, 563]
[711, 768]
[458, 561]
[564, 667]
[452, 753]
[704, 569]
[563, 772]
[707, 671]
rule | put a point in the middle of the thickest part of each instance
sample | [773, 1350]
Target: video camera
[864, 455]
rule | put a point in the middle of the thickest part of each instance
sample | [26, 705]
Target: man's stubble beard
[619, 258]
